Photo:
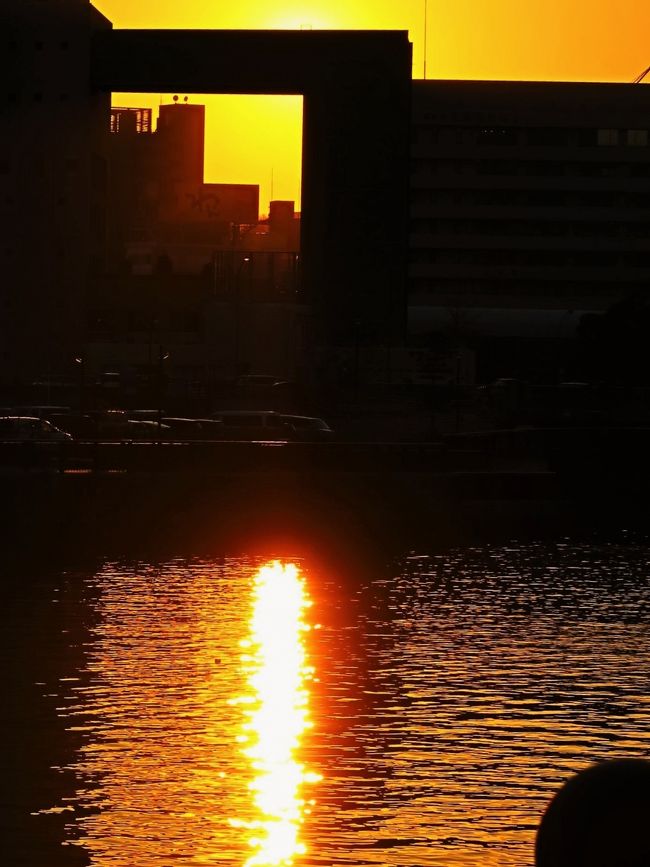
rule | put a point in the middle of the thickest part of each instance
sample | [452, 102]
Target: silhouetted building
[52, 182]
[356, 89]
[191, 266]
[530, 203]
[181, 134]
[69, 165]
[159, 206]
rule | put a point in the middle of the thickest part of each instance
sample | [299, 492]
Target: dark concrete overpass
[356, 130]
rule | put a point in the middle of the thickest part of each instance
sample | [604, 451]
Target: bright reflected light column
[276, 713]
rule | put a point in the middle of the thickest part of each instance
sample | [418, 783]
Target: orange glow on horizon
[276, 714]
[585, 40]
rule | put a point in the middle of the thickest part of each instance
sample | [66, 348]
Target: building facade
[52, 183]
[529, 203]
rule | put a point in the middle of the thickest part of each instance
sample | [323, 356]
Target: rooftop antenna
[640, 78]
[424, 64]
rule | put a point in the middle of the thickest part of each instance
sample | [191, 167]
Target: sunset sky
[253, 139]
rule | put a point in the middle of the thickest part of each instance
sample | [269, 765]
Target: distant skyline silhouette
[250, 139]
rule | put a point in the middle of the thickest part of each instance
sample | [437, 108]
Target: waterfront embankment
[471, 488]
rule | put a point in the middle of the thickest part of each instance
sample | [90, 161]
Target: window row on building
[444, 288]
[531, 198]
[510, 136]
[529, 168]
[532, 228]
[532, 258]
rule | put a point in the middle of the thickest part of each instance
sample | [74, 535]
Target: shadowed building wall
[52, 182]
[530, 197]
[356, 127]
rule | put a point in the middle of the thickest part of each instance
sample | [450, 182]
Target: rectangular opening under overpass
[356, 87]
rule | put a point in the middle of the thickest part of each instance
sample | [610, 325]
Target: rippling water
[452, 695]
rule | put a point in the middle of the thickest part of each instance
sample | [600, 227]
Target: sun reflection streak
[276, 713]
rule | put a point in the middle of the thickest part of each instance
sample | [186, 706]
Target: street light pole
[238, 306]
[82, 384]
[162, 356]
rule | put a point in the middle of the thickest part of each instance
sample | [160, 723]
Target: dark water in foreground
[451, 695]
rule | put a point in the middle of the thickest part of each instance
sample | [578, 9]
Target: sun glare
[276, 714]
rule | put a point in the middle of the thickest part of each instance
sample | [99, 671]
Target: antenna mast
[425, 41]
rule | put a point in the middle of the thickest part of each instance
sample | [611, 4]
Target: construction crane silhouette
[640, 78]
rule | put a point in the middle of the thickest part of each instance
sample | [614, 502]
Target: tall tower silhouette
[52, 177]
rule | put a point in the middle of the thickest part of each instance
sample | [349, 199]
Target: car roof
[246, 412]
[183, 419]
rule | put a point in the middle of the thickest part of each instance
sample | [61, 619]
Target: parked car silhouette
[305, 428]
[269, 425]
[135, 429]
[194, 428]
[21, 428]
[244, 424]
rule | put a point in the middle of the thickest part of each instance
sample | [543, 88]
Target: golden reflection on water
[276, 714]
[457, 692]
[159, 770]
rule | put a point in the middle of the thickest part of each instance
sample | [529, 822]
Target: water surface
[450, 696]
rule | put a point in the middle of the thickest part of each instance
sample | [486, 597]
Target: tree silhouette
[615, 346]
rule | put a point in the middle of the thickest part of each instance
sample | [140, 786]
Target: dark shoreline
[337, 518]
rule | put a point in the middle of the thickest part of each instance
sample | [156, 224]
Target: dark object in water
[599, 818]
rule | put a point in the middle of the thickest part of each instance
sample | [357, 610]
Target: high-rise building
[529, 201]
[527, 196]
[52, 182]
[181, 134]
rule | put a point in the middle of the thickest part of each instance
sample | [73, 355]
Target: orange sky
[251, 138]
